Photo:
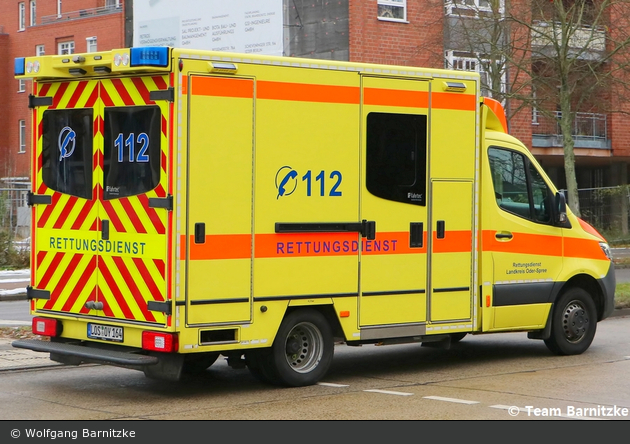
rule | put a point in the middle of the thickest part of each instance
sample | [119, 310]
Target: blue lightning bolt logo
[67, 142]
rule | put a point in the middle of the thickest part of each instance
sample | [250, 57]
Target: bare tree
[559, 57]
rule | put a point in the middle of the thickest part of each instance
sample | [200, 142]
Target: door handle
[506, 235]
[440, 229]
[200, 233]
[416, 234]
[105, 229]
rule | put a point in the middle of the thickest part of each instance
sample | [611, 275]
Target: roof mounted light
[77, 71]
[121, 59]
[454, 86]
[150, 56]
[102, 69]
[20, 66]
[221, 67]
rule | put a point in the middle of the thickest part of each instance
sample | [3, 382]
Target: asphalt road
[500, 376]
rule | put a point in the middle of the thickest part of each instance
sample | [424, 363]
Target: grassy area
[622, 295]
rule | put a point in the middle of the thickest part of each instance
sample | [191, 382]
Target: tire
[300, 355]
[197, 363]
[573, 324]
[260, 366]
[456, 337]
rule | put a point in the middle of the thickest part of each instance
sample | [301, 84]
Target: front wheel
[300, 355]
[573, 323]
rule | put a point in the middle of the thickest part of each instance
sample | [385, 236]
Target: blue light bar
[20, 64]
[150, 56]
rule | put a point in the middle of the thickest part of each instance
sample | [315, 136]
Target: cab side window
[518, 186]
[397, 157]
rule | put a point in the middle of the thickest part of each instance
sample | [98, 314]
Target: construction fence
[607, 209]
[15, 214]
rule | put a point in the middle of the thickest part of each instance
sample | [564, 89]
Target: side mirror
[560, 209]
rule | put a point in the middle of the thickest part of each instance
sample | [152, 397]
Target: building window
[112, 4]
[33, 21]
[21, 16]
[66, 48]
[22, 133]
[534, 107]
[39, 50]
[91, 44]
[394, 10]
[476, 8]
[462, 61]
[21, 85]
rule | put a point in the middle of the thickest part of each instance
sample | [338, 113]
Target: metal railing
[82, 13]
[586, 126]
[15, 214]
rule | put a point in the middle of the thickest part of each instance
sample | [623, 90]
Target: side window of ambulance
[541, 195]
[397, 157]
[131, 150]
[67, 151]
[518, 186]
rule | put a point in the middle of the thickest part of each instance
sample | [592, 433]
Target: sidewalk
[12, 358]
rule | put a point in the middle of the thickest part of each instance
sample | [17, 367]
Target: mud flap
[168, 368]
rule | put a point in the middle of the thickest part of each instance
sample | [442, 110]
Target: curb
[13, 297]
[619, 312]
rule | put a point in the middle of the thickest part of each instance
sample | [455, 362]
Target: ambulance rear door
[101, 209]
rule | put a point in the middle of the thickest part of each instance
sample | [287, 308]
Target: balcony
[589, 131]
[81, 14]
[585, 42]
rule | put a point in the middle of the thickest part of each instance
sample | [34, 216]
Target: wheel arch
[590, 284]
[328, 311]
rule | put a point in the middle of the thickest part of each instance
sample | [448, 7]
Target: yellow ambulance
[191, 204]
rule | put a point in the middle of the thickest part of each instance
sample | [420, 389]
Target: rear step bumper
[85, 354]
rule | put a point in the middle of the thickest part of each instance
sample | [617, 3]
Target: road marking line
[388, 392]
[459, 401]
[330, 384]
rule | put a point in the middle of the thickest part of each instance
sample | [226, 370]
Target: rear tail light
[46, 326]
[162, 342]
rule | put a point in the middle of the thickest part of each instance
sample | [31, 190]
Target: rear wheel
[573, 323]
[301, 353]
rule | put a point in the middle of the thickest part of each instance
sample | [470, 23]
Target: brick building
[31, 27]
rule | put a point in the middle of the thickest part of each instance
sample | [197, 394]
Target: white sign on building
[245, 26]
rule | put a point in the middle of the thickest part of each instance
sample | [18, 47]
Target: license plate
[105, 332]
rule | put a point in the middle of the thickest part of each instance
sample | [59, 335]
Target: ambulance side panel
[272, 171]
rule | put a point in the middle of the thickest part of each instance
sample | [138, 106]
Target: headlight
[606, 249]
